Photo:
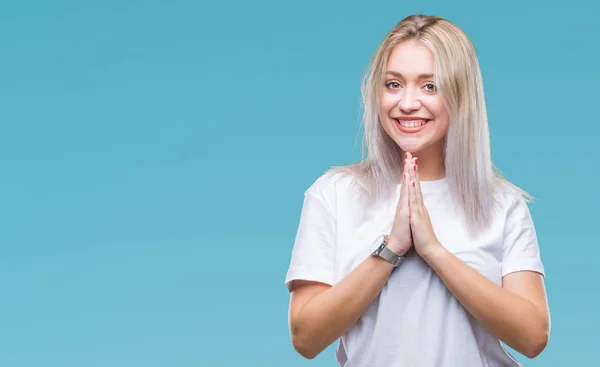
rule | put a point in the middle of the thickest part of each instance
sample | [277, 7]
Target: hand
[424, 238]
[399, 239]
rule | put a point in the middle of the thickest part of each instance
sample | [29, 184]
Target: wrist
[400, 251]
[396, 248]
[384, 251]
[433, 252]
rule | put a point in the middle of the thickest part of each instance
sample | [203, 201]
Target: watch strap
[388, 255]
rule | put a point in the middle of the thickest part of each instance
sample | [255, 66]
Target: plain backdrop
[154, 155]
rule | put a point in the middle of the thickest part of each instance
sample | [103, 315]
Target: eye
[430, 87]
[392, 85]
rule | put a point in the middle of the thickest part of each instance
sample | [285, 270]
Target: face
[411, 109]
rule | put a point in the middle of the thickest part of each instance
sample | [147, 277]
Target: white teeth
[412, 123]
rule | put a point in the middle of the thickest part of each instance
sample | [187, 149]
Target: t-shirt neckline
[431, 186]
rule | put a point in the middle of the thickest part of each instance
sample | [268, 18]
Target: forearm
[324, 318]
[513, 319]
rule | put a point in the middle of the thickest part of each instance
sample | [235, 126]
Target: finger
[405, 172]
[404, 206]
[414, 177]
[403, 200]
[411, 172]
[412, 198]
[403, 188]
[419, 193]
[406, 164]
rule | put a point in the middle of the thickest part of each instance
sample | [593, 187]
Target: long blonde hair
[471, 174]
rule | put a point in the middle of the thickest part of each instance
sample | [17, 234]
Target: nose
[409, 101]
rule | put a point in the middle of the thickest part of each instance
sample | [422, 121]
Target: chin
[412, 147]
[429, 137]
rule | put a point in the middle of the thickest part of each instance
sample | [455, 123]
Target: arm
[516, 313]
[320, 314]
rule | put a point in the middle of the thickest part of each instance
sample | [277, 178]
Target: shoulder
[335, 180]
[335, 185]
[510, 199]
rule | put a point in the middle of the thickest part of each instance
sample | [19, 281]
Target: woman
[421, 254]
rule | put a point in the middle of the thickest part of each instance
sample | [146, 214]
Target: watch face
[377, 243]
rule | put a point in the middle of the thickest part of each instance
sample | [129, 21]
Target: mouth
[411, 126]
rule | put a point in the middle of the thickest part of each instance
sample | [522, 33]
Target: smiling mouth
[412, 124]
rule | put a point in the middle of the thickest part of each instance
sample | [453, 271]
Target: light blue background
[153, 157]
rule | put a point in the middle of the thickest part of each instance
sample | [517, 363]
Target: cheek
[441, 115]
[443, 120]
[437, 108]
[387, 103]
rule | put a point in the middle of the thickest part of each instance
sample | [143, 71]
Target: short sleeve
[521, 249]
[313, 254]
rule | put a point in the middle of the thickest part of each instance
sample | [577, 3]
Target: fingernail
[416, 160]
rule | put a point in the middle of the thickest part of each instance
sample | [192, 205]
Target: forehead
[411, 58]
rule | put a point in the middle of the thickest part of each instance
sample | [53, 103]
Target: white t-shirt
[415, 320]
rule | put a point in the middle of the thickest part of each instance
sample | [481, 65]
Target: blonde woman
[422, 254]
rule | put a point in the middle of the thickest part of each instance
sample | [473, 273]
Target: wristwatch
[384, 252]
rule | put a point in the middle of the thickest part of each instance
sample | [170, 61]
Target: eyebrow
[420, 76]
